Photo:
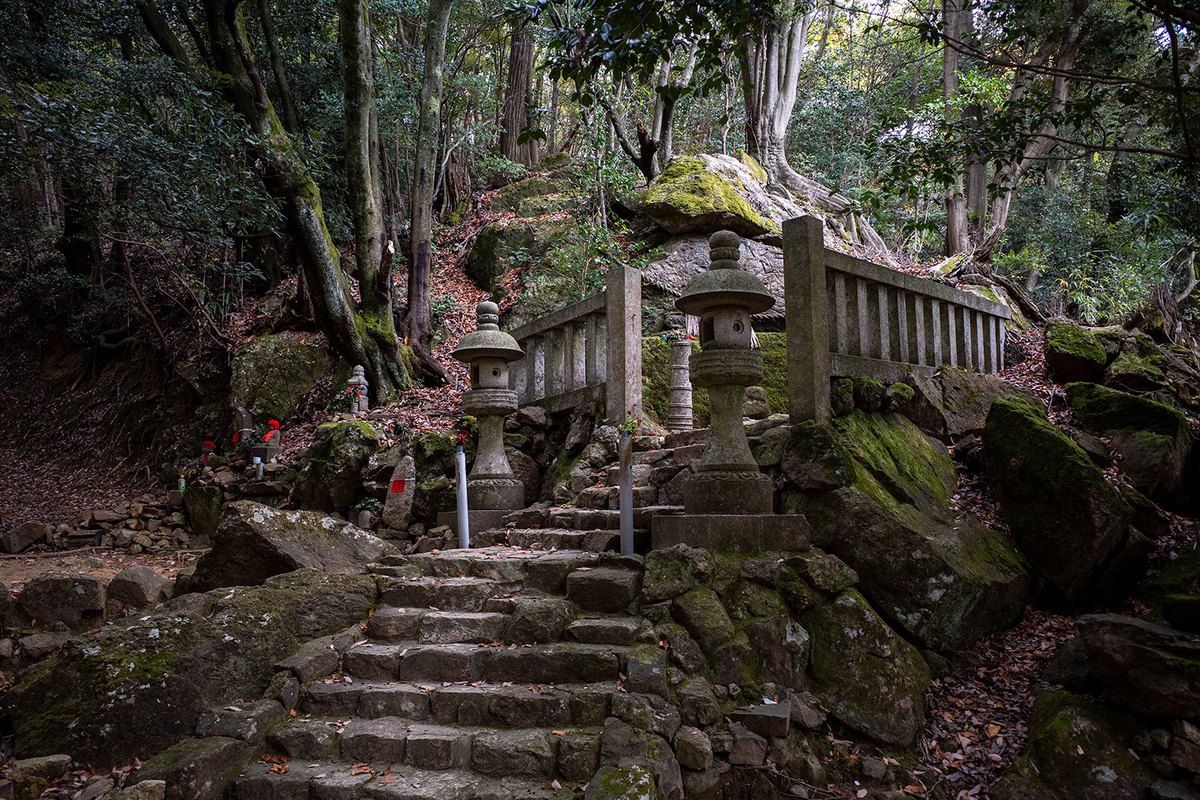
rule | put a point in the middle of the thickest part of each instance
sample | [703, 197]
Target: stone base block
[478, 520]
[740, 533]
[728, 493]
[495, 493]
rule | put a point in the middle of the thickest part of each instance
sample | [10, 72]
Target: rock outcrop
[333, 473]
[129, 691]
[255, 542]
[1068, 521]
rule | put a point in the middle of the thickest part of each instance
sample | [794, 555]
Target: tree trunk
[291, 118]
[362, 177]
[954, 20]
[516, 98]
[425, 167]
[287, 180]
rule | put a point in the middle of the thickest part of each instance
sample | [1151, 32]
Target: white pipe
[625, 479]
[464, 533]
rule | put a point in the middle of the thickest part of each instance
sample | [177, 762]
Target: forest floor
[977, 716]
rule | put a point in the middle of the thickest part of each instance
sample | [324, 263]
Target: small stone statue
[359, 379]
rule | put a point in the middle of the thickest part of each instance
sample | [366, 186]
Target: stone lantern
[727, 501]
[492, 488]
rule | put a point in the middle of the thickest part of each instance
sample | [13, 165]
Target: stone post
[492, 488]
[807, 328]
[359, 379]
[679, 403]
[623, 389]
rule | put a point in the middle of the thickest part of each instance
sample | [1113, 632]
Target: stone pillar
[679, 404]
[807, 328]
[623, 299]
[359, 379]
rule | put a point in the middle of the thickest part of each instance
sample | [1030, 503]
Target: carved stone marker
[679, 403]
[359, 378]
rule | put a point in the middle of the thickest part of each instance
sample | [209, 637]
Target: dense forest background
[163, 162]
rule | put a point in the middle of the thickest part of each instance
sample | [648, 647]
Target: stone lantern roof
[488, 341]
[724, 283]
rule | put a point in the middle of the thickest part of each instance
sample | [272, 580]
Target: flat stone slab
[738, 533]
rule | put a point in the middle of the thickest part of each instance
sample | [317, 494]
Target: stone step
[471, 627]
[673, 441]
[343, 781]
[639, 472]
[442, 594]
[477, 703]
[652, 457]
[643, 443]
[541, 663]
[585, 519]
[608, 497]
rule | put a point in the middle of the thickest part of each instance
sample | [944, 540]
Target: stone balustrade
[847, 317]
[589, 351]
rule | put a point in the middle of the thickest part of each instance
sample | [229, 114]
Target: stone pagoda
[728, 503]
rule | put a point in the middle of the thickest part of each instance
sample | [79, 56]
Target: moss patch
[271, 374]
[688, 192]
[1101, 409]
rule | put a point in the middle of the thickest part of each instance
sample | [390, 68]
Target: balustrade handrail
[851, 317]
[588, 351]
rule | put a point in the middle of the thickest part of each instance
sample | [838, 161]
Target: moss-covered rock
[1139, 366]
[1154, 440]
[1066, 518]
[689, 197]
[955, 403]
[1076, 750]
[129, 691]
[271, 374]
[510, 197]
[333, 472]
[1073, 353]
[504, 245]
[868, 676]
[885, 511]
[206, 767]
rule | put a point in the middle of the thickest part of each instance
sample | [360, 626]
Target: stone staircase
[484, 674]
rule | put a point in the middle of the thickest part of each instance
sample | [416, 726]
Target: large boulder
[255, 542]
[1067, 520]
[1076, 751]
[129, 691]
[1176, 592]
[705, 194]
[272, 374]
[336, 465]
[1073, 353]
[684, 257]
[516, 197]
[1139, 366]
[876, 493]
[954, 403]
[1154, 440]
[504, 245]
[139, 587]
[867, 675]
[1144, 666]
[76, 600]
